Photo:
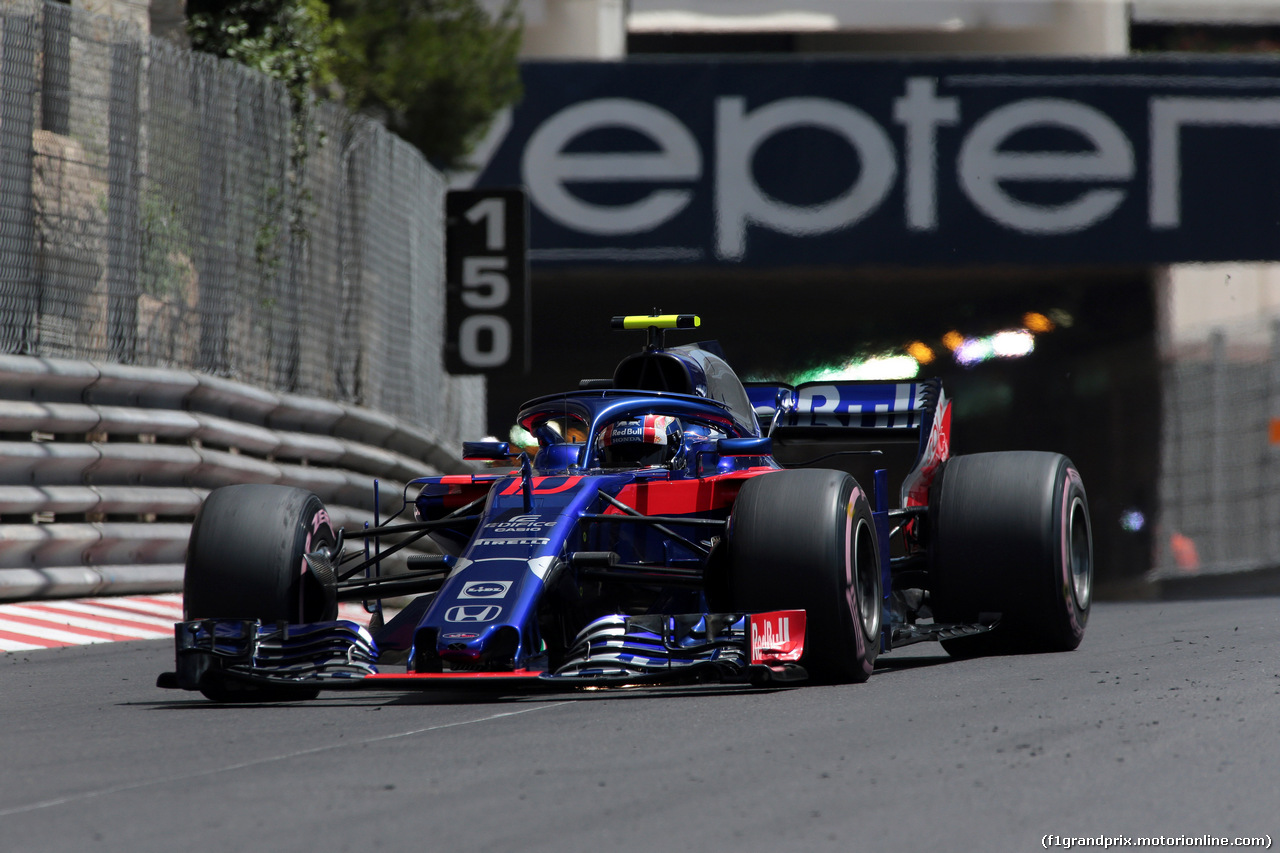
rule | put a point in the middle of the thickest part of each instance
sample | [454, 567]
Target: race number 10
[487, 277]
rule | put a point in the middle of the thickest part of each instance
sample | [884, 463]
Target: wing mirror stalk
[500, 451]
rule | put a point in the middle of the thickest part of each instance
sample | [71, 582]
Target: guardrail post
[1218, 440]
[1271, 465]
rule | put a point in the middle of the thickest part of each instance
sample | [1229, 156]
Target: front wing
[612, 651]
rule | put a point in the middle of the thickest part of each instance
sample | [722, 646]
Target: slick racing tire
[245, 561]
[1011, 536]
[805, 539]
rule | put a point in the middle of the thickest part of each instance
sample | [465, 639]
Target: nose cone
[495, 647]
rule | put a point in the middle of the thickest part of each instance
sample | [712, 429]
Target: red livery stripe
[682, 497]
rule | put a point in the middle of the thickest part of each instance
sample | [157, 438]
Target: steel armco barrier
[103, 467]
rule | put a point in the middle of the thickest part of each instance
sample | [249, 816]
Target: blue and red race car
[669, 527]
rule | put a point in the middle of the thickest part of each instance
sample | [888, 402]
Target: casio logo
[527, 524]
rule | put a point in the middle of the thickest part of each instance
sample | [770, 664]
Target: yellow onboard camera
[655, 324]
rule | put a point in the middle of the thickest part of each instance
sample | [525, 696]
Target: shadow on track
[471, 697]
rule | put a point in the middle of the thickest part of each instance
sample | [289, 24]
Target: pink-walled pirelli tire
[245, 561]
[804, 539]
[1010, 534]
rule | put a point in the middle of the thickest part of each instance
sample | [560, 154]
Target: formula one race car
[653, 536]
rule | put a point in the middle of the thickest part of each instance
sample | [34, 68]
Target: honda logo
[473, 613]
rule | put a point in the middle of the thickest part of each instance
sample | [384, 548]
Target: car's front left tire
[1011, 536]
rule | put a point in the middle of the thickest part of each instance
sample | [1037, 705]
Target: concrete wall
[574, 29]
[1040, 27]
[1204, 297]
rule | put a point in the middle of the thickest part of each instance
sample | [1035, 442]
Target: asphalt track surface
[1164, 722]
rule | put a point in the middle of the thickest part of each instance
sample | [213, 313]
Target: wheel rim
[866, 579]
[1080, 552]
[318, 536]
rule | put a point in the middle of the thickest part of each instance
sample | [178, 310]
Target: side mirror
[559, 457]
[785, 400]
[745, 446]
[491, 450]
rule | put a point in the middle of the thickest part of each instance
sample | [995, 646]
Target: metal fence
[154, 210]
[1220, 457]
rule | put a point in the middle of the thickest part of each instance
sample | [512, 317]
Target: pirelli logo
[509, 540]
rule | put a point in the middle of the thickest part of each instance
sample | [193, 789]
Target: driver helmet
[645, 441]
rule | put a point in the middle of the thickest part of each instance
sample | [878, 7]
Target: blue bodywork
[558, 569]
[519, 546]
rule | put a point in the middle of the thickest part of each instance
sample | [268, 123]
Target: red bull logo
[777, 636]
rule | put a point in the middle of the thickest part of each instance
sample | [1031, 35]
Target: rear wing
[839, 412]
[845, 405]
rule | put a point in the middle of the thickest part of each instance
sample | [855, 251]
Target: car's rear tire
[1011, 535]
[805, 539]
[245, 561]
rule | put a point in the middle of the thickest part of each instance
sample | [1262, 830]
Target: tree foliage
[289, 40]
[434, 71]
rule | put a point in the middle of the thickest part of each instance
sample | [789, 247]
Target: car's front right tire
[805, 539]
[245, 561]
